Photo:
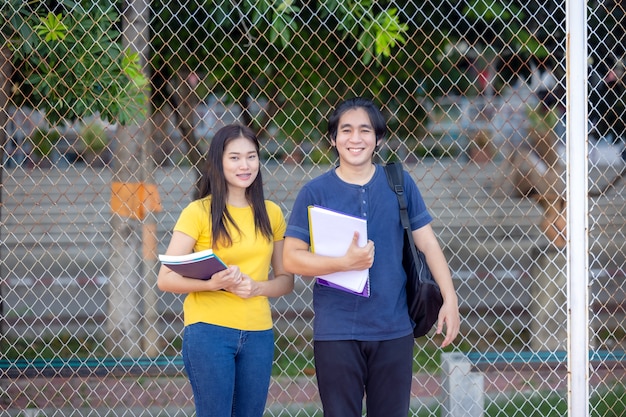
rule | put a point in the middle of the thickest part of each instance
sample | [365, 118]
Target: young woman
[228, 342]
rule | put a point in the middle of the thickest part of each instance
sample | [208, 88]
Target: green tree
[285, 52]
[72, 64]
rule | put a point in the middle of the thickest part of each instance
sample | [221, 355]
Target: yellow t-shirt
[250, 251]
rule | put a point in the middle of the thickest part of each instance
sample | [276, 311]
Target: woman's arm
[170, 281]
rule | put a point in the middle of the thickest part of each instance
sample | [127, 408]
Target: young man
[364, 345]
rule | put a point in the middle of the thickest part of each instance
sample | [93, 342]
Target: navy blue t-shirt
[383, 315]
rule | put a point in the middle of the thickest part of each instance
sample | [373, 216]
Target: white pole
[577, 210]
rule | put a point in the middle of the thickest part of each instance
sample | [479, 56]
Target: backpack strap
[395, 177]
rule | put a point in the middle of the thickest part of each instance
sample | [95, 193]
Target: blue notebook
[200, 265]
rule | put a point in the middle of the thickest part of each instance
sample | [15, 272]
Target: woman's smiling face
[241, 163]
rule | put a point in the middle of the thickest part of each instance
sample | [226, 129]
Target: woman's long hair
[213, 183]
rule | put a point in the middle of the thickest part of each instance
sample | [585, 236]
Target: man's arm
[298, 259]
[449, 313]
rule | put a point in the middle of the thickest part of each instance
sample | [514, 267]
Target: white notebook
[331, 235]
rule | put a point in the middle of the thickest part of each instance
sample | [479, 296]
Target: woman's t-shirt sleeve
[277, 220]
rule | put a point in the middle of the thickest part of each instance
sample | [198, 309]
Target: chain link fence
[108, 108]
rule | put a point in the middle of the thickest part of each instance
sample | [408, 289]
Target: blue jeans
[229, 369]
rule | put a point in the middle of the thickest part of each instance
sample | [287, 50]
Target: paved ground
[170, 395]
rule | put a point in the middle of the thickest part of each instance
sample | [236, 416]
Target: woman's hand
[246, 288]
[227, 278]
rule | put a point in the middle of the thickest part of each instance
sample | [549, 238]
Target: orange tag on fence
[134, 199]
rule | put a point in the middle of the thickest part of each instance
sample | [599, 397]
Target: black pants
[347, 370]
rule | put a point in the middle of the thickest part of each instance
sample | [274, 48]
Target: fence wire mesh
[108, 108]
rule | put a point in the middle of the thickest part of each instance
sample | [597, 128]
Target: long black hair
[213, 183]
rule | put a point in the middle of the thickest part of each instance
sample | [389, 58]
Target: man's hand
[359, 258]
